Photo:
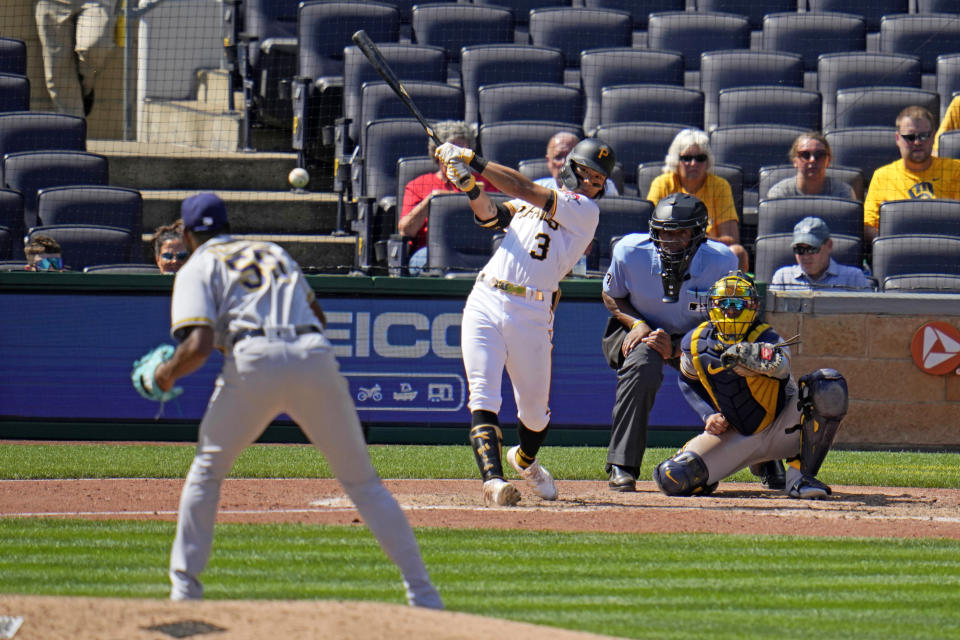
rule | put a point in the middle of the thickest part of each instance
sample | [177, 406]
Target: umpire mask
[676, 212]
[734, 307]
[590, 153]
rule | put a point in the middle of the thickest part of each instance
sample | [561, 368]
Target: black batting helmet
[592, 154]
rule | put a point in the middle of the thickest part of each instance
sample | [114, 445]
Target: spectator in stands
[916, 175]
[43, 254]
[76, 36]
[557, 149]
[815, 269]
[686, 169]
[810, 155]
[417, 193]
[951, 121]
[168, 248]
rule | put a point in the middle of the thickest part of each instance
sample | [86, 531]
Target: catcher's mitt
[756, 359]
[144, 371]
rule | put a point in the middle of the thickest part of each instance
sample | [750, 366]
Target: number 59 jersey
[541, 247]
[235, 284]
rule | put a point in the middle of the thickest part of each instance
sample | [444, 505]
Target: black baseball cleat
[772, 475]
[621, 479]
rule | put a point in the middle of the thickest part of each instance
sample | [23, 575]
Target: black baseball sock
[530, 442]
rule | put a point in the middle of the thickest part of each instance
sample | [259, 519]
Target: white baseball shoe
[498, 491]
[808, 488]
[543, 483]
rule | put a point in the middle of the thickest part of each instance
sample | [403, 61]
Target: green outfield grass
[630, 585]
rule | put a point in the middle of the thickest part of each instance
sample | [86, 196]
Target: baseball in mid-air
[298, 178]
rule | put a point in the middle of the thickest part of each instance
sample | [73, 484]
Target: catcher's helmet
[590, 153]
[734, 307]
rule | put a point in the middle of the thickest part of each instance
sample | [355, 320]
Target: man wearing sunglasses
[43, 254]
[815, 269]
[918, 174]
[810, 156]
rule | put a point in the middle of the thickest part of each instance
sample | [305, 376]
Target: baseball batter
[736, 375]
[508, 318]
[250, 300]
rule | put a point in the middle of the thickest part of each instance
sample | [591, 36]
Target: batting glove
[448, 152]
[460, 175]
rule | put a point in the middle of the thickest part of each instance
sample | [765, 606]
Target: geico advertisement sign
[404, 334]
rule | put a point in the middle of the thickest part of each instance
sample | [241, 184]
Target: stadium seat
[864, 148]
[35, 131]
[639, 10]
[638, 142]
[935, 6]
[950, 144]
[30, 171]
[573, 31]
[769, 105]
[452, 26]
[530, 101]
[13, 56]
[534, 168]
[775, 251]
[921, 283]
[930, 217]
[510, 142]
[813, 34]
[752, 146]
[879, 106]
[12, 265]
[753, 10]
[455, 243]
[692, 33]
[385, 141]
[85, 245]
[837, 71]
[270, 35]
[619, 216]
[88, 204]
[11, 219]
[915, 254]
[728, 69]
[138, 268]
[14, 92]
[772, 174]
[947, 79]
[409, 62]
[925, 35]
[521, 13]
[408, 168]
[601, 68]
[870, 10]
[780, 215]
[6, 243]
[487, 64]
[652, 103]
[435, 100]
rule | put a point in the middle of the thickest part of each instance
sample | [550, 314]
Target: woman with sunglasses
[687, 169]
[810, 156]
[168, 248]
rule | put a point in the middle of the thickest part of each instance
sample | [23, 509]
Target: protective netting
[160, 100]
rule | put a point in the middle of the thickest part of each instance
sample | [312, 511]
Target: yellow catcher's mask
[734, 305]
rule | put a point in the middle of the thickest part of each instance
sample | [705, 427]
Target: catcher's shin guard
[823, 404]
[685, 474]
[486, 440]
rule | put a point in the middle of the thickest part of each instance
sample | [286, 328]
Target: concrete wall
[867, 338]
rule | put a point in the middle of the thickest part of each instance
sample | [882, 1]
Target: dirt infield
[736, 508]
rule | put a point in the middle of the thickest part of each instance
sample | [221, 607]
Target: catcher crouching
[735, 373]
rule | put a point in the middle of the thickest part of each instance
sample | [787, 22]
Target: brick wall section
[892, 402]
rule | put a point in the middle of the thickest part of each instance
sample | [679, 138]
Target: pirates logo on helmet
[734, 307]
[592, 154]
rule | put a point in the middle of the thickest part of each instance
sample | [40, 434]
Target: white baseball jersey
[233, 285]
[506, 329]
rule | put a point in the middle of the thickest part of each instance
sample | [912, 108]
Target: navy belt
[254, 333]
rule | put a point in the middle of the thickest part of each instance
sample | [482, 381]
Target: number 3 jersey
[234, 284]
[541, 247]
[749, 403]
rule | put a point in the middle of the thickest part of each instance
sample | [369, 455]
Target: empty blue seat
[30, 171]
[921, 283]
[508, 143]
[871, 10]
[6, 243]
[769, 105]
[781, 214]
[124, 268]
[813, 34]
[271, 57]
[947, 79]
[607, 67]
[573, 31]
[753, 10]
[11, 219]
[638, 142]
[879, 106]
[619, 216]
[925, 36]
[937, 217]
[530, 101]
[13, 56]
[752, 146]
[435, 100]
[34, 131]
[455, 243]
[915, 254]
[452, 26]
[837, 71]
[865, 148]
[92, 204]
[14, 92]
[950, 144]
[639, 10]
[692, 33]
[651, 103]
[85, 245]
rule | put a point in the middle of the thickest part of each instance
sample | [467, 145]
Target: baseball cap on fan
[811, 231]
[203, 212]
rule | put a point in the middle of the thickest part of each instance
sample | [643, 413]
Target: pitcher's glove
[756, 359]
[144, 371]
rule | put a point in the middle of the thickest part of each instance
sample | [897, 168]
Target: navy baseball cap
[203, 212]
[811, 231]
